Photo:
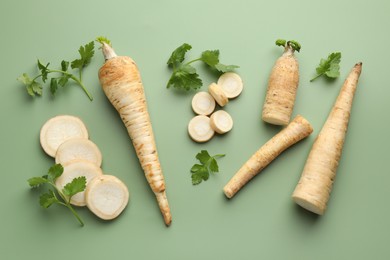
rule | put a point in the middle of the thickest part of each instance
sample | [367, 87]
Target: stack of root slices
[202, 127]
[66, 139]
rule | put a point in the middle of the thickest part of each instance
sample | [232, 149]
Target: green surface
[261, 221]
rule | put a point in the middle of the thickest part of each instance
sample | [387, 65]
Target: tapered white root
[231, 84]
[106, 196]
[282, 89]
[199, 129]
[59, 129]
[315, 185]
[74, 170]
[122, 84]
[203, 103]
[221, 122]
[298, 129]
[78, 149]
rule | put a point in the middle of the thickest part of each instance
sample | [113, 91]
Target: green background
[261, 222]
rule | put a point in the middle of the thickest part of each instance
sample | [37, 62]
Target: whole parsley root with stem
[282, 85]
[34, 87]
[56, 196]
[184, 75]
[208, 164]
[329, 67]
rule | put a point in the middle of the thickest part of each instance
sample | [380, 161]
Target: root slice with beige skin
[282, 89]
[203, 103]
[314, 187]
[298, 129]
[77, 169]
[199, 129]
[106, 196]
[59, 129]
[218, 94]
[122, 84]
[78, 149]
[231, 83]
[221, 122]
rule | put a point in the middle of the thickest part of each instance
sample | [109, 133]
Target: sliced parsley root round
[199, 129]
[231, 83]
[78, 149]
[203, 103]
[59, 129]
[218, 94]
[74, 170]
[221, 122]
[106, 196]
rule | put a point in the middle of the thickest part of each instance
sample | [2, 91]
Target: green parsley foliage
[329, 67]
[102, 39]
[293, 44]
[62, 76]
[208, 164]
[184, 75]
[55, 195]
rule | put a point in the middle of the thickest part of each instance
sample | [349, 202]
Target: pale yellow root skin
[315, 185]
[121, 82]
[218, 94]
[282, 89]
[298, 129]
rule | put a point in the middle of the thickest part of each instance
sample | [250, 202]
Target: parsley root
[121, 82]
[314, 187]
[298, 129]
[282, 86]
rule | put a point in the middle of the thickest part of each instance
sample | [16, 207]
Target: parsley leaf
[178, 54]
[329, 67]
[102, 39]
[86, 54]
[208, 164]
[75, 186]
[49, 198]
[34, 88]
[184, 76]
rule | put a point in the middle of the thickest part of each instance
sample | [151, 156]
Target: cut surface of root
[231, 83]
[199, 129]
[221, 122]
[106, 196]
[60, 129]
[218, 94]
[203, 103]
[77, 169]
[78, 149]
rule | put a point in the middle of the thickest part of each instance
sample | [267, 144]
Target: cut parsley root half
[203, 103]
[231, 83]
[78, 149]
[221, 122]
[106, 196]
[199, 129]
[60, 129]
[218, 94]
[77, 169]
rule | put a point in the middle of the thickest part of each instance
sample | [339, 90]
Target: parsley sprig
[208, 164]
[329, 67]
[56, 196]
[34, 87]
[184, 75]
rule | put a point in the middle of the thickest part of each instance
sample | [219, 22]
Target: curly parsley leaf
[208, 164]
[50, 197]
[329, 67]
[185, 76]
